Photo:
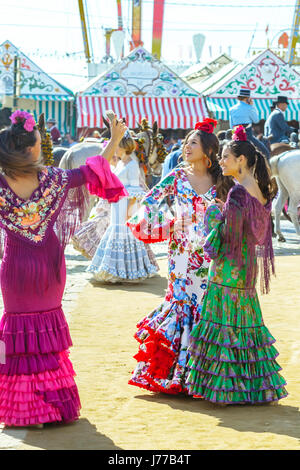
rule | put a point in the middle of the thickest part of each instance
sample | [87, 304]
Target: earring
[208, 161]
[240, 170]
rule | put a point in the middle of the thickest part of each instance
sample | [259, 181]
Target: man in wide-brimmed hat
[244, 113]
[55, 134]
[276, 126]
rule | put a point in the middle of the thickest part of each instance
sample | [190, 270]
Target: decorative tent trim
[267, 76]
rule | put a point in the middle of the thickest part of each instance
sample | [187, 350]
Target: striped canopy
[220, 107]
[170, 113]
[48, 97]
[54, 109]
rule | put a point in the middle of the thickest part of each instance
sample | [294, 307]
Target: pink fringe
[246, 218]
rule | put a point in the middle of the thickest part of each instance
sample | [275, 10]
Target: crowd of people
[207, 338]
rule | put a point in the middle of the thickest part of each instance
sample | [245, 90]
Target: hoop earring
[208, 161]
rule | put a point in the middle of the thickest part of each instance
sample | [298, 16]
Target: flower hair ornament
[239, 134]
[207, 125]
[24, 118]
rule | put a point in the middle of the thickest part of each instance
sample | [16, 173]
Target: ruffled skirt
[232, 357]
[120, 257]
[90, 233]
[36, 376]
[163, 338]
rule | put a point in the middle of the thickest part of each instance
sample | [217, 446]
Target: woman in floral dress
[232, 357]
[164, 334]
[40, 208]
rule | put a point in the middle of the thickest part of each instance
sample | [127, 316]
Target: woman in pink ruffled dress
[40, 209]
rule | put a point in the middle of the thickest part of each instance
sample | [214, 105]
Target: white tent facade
[267, 76]
[38, 92]
[140, 86]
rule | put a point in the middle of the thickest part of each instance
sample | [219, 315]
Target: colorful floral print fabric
[164, 334]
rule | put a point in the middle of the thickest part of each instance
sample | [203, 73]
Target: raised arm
[153, 223]
[118, 129]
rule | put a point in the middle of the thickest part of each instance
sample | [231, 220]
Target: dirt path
[118, 416]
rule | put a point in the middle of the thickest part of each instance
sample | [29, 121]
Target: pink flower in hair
[239, 134]
[29, 124]
[18, 116]
[23, 117]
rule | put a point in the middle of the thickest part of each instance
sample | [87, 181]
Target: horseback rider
[276, 127]
[53, 129]
[245, 114]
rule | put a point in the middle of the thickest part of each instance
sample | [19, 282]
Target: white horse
[75, 157]
[286, 169]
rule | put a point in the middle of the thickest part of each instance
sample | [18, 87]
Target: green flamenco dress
[232, 357]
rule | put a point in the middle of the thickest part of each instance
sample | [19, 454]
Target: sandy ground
[118, 416]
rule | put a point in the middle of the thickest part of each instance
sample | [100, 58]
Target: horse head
[154, 149]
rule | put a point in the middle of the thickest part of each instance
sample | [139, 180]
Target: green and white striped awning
[48, 97]
[220, 107]
[58, 110]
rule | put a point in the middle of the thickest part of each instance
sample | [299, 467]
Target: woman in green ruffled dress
[232, 357]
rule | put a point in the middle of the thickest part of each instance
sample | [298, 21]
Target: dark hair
[255, 160]
[15, 157]
[221, 135]
[210, 146]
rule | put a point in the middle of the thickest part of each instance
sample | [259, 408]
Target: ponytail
[259, 164]
[262, 175]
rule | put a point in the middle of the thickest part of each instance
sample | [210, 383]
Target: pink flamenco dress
[36, 375]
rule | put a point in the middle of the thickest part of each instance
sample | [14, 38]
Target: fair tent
[38, 92]
[140, 86]
[267, 76]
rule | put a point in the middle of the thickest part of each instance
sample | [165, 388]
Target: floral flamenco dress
[119, 256]
[36, 376]
[164, 334]
[232, 357]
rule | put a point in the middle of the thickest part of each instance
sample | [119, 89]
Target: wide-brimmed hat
[244, 92]
[281, 99]
[51, 121]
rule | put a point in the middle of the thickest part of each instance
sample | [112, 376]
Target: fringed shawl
[59, 203]
[248, 221]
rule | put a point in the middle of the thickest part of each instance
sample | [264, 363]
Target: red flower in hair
[207, 125]
[239, 133]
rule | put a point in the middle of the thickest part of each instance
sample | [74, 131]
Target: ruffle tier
[37, 380]
[233, 364]
[162, 357]
[40, 398]
[35, 333]
[120, 257]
